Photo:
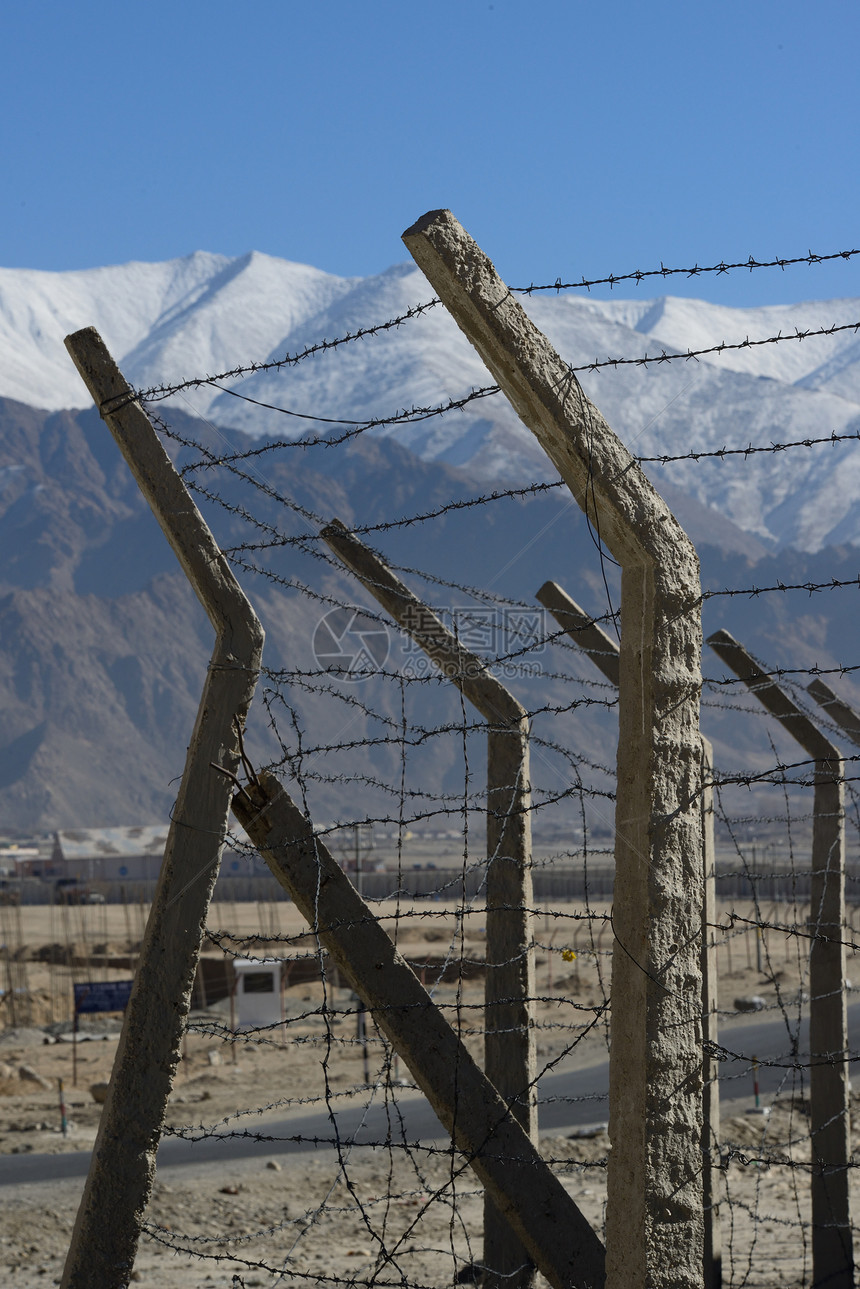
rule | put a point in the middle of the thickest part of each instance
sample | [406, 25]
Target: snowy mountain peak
[205, 313]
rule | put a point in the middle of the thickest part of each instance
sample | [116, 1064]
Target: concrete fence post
[654, 1222]
[840, 712]
[482, 1125]
[117, 1190]
[829, 1087]
[510, 1060]
[603, 652]
[582, 630]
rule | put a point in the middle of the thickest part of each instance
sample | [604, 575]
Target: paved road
[569, 1099]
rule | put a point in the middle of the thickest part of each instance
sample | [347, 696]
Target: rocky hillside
[103, 647]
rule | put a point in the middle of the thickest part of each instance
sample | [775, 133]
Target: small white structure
[258, 996]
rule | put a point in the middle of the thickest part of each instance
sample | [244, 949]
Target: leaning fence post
[654, 1225]
[119, 1183]
[603, 652]
[510, 1060]
[829, 1088]
[838, 710]
[481, 1123]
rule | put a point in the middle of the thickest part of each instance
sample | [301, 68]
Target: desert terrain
[393, 1212]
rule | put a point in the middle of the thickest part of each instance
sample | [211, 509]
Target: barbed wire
[280, 539]
[751, 449]
[724, 346]
[404, 416]
[417, 414]
[157, 392]
[697, 270]
[834, 584]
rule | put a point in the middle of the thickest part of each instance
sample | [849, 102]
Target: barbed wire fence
[374, 741]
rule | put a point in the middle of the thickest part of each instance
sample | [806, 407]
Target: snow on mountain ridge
[149, 313]
[658, 410]
[207, 313]
[241, 317]
[681, 324]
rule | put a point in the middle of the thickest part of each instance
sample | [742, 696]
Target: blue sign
[103, 996]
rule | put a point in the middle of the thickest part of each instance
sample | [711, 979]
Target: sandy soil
[312, 1216]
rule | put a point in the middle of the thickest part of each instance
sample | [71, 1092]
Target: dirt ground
[315, 1217]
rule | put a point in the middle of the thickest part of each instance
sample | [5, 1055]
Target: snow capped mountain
[195, 314]
[206, 314]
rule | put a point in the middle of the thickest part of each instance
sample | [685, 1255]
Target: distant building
[108, 854]
[16, 860]
[117, 855]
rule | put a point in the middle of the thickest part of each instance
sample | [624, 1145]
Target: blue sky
[571, 139]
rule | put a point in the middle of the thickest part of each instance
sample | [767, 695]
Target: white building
[259, 995]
